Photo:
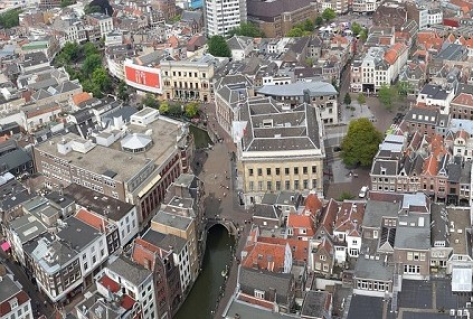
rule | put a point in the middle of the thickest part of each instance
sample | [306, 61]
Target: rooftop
[298, 89]
[172, 220]
[125, 268]
[126, 165]
[97, 202]
[78, 234]
[316, 304]
[459, 223]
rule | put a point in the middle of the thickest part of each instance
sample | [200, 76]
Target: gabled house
[268, 256]
[461, 106]
[347, 234]
[267, 216]
[435, 95]
[274, 291]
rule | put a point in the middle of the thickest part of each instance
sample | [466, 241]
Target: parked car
[363, 191]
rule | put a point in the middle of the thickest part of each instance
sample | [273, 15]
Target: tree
[92, 9]
[66, 3]
[345, 195]
[309, 62]
[319, 21]
[403, 87]
[89, 48]
[122, 91]
[69, 53]
[361, 143]
[355, 28]
[387, 94]
[102, 79]
[247, 29]
[191, 109]
[91, 63]
[361, 98]
[164, 107]
[150, 101]
[10, 18]
[295, 33]
[218, 47]
[328, 14]
[347, 99]
[308, 25]
[363, 34]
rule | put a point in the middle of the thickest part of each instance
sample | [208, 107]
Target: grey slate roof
[78, 234]
[375, 210]
[434, 92]
[373, 269]
[251, 279]
[314, 303]
[290, 130]
[297, 89]
[268, 10]
[367, 307]
[164, 241]
[8, 288]
[127, 269]
[439, 229]
[413, 237]
[266, 211]
[15, 158]
[27, 228]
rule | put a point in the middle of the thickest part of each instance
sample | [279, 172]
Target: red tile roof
[266, 256]
[81, 97]
[127, 302]
[302, 222]
[312, 204]
[91, 219]
[21, 297]
[349, 218]
[464, 99]
[299, 248]
[110, 284]
[329, 215]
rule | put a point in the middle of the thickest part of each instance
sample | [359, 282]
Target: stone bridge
[231, 227]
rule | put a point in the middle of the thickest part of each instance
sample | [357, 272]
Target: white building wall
[222, 16]
[23, 311]
[93, 255]
[353, 243]
[128, 227]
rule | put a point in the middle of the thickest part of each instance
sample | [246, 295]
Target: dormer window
[260, 294]
[13, 303]
[383, 171]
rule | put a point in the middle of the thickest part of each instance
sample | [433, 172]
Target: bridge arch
[232, 229]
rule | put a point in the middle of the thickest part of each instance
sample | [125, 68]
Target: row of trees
[84, 62]
[190, 110]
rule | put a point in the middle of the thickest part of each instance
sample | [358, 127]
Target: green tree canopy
[363, 34]
[319, 21]
[122, 91]
[347, 99]
[89, 48]
[91, 9]
[404, 87]
[328, 14]
[150, 101]
[308, 25]
[295, 33]
[101, 78]
[69, 53]
[361, 98]
[66, 3]
[344, 196]
[91, 63]
[191, 109]
[247, 29]
[164, 107]
[387, 95]
[361, 143]
[218, 47]
[9, 19]
[355, 28]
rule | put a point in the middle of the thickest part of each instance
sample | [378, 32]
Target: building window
[322, 257]
[250, 171]
[278, 185]
[287, 185]
[269, 185]
[296, 170]
[313, 169]
[305, 170]
[260, 185]
[259, 294]
[269, 171]
[259, 172]
[251, 186]
[297, 184]
[287, 171]
[277, 171]
[411, 269]
[305, 184]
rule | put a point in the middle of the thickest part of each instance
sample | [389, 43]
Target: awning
[461, 278]
[149, 185]
[5, 246]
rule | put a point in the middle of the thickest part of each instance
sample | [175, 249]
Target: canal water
[203, 297]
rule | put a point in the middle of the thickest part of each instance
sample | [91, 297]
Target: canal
[203, 297]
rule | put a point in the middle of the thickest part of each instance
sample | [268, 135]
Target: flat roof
[77, 233]
[101, 160]
[458, 223]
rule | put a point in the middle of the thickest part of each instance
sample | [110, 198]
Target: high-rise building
[224, 15]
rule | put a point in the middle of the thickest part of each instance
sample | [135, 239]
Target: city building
[14, 301]
[123, 172]
[101, 22]
[223, 16]
[367, 6]
[188, 80]
[321, 95]
[277, 18]
[278, 148]
[131, 279]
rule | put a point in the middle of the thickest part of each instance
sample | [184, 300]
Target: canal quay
[217, 281]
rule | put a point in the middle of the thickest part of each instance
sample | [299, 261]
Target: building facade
[223, 16]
